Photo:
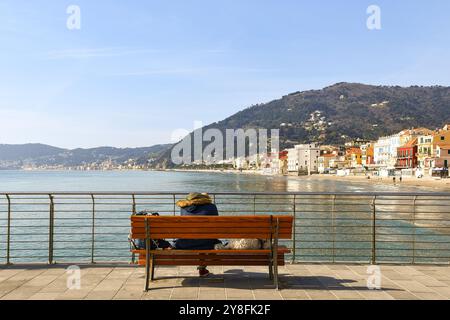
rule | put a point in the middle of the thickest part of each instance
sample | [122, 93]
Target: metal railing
[93, 227]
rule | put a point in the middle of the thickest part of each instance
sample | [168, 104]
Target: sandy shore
[437, 183]
[430, 182]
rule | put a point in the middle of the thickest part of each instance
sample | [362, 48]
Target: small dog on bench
[243, 244]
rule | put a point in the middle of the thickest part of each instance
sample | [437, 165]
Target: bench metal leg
[152, 268]
[148, 256]
[147, 272]
[275, 256]
[275, 270]
[270, 270]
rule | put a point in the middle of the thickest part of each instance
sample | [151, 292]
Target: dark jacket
[198, 244]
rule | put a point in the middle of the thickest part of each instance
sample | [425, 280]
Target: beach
[429, 182]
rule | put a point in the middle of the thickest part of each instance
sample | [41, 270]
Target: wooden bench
[270, 228]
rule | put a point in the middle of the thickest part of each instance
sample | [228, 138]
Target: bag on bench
[155, 244]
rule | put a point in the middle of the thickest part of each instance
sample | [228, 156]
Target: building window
[442, 138]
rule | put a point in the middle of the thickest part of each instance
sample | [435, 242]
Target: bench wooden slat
[256, 224]
[174, 232]
[227, 260]
[213, 256]
[207, 229]
[230, 235]
[215, 219]
[212, 263]
[281, 250]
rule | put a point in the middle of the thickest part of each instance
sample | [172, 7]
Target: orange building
[367, 153]
[441, 137]
[354, 156]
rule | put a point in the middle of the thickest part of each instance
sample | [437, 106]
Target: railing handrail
[118, 193]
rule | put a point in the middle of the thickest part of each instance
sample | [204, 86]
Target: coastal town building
[334, 150]
[283, 162]
[424, 151]
[385, 151]
[409, 134]
[356, 143]
[442, 159]
[241, 163]
[407, 155]
[339, 162]
[354, 157]
[303, 158]
[441, 137]
[254, 161]
[367, 151]
[324, 162]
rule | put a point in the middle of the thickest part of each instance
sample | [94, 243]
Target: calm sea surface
[177, 181]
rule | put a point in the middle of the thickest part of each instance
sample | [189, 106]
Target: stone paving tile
[443, 291]
[429, 296]
[44, 296]
[393, 275]
[101, 295]
[403, 295]
[73, 294]
[375, 295]
[413, 286]
[129, 294]
[321, 295]
[8, 273]
[41, 280]
[429, 281]
[20, 295]
[212, 296]
[347, 294]
[295, 294]
[160, 294]
[302, 281]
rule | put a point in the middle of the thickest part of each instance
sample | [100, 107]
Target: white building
[385, 150]
[304, 157]
[241, 163]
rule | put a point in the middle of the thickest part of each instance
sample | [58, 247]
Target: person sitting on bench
[197, 204]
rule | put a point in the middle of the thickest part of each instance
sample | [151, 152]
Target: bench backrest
[211, 227]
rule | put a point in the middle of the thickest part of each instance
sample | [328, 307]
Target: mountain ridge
[14, 156]
[341, 112]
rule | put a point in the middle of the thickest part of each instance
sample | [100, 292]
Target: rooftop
[299, 281]
[411, 143]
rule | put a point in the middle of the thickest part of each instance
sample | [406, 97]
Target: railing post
[51, 229]
[254, 205]
[414, 231]
[133, 208]
[333, 227]
[93, 229]
[8, 236]
[174, 205]
[374, 239]
[294, 208]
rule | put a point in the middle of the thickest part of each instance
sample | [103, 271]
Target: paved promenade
[302, 281]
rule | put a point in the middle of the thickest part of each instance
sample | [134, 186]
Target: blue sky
[138, 70]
